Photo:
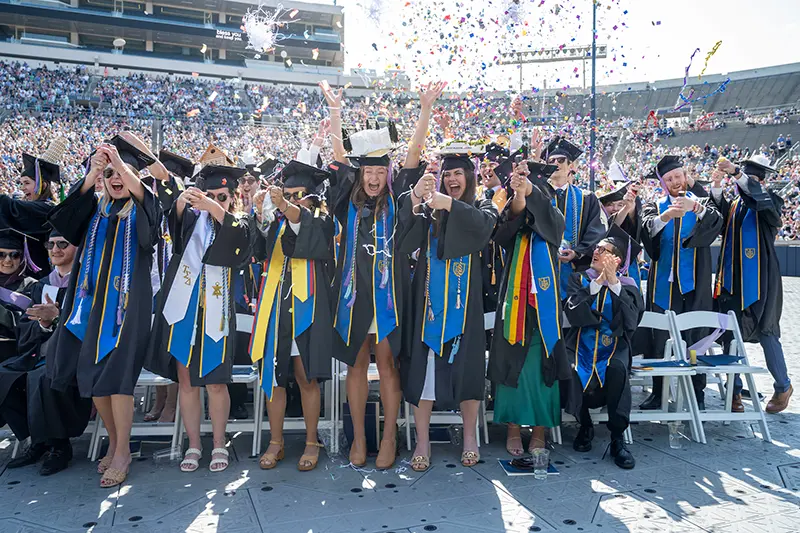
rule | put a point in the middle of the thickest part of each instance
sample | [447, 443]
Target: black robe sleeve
[593, 231]
[148, 218]
[767, 204]
[178, 225]
[231, 246]
[24, 216]
[706, 230]
[467, 228]
[72, 216]
[168, 192]
[343, 180]
[540, 216]
[313, 240]
[407, 178]
[628, 307]
[652, 243]
[412, 228]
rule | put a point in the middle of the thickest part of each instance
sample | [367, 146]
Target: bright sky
[753, 34]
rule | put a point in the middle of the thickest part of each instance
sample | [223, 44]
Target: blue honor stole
[544, 278]
[573, 216]
[383, 294]
[447, 297]
[596, 346]
[264, 338]
[749, 258]
[113, 297]
[675, 264]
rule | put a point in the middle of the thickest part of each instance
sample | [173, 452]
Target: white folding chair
[710, 319]
[682, 375]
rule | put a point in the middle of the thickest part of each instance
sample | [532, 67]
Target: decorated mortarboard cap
[371, 147]
[561, 146]
[459, 154]
[215, 156]
[626, 245]
[298, 174]
[218, 176]
[130, 154]
[495, 152]
[506, 167]
[176, 164]
[757, 165]
[48, 163]
[613, 196]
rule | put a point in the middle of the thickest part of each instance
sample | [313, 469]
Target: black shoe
[583, 440]
[651, 403]
[30, 457]
[57, 460]
[239, 413]
[623, 458]
[701, 404]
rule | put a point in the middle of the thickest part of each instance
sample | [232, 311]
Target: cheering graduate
[445, 362]
[677, 233]
[293, 328]
[15, 286]
[623, 209]
[108, 306]
[27, 402]
[580, 208]
[750, 279]
[603, 308]
[39, 177]
[194, 338]
[527, 358]
[492, 258]
[371, 278]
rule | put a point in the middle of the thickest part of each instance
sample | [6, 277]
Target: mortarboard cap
[297, 174]
[506, 167]
[265, 169]
[629, 249]
[667, 163]
[614, 196]
[757, 165]
[176, 164]
[47, 171]
[495, 152]
[130, 154]
[453, 161]
[11, 239]
[218, 176]
[561, 146]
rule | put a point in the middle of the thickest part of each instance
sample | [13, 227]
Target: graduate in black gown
[527, 358]
[747, 253]
[492, 257]
[39, 179]
[27, 402]
[580, 208]
[109, 302]
[372, 279]
[445, 361]
[194, 331]
[623, 208]
[15, 285]
[678, 230]
[293, 328]
[604, 307]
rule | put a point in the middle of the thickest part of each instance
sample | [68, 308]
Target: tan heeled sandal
[313, 459]
[269, 461]
[470, 458]
[103, 465]
[113, 478]
[358, 459]
[382, 462]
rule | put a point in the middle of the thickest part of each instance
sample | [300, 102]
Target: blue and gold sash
[383, 295]
[573, 216]
[749, 258]
[544, 280]
[264, 337]
[672, 268]
[113, 297]
[447, 298]
[595, 347]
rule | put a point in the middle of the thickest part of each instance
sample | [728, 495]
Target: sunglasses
[247, 181]
[221, 197]
[61, 245]
[557, 160]
[10, 255]
[299, 195]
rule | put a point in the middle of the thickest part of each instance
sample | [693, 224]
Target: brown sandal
[313, 459]
[269, 461]
[470, 458]
[103, 465]
[112, 478]
[382, 462]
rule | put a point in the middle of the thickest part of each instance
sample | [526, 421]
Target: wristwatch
[736, 171]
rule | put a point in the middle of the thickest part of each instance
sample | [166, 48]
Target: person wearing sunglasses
[581, 210]
[293, 327]
[30, 406]
[194, 333]
[603, 307]
[15, 280]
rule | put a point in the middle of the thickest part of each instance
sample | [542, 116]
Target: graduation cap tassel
[28, 259]
[39, 187]
[61, 195]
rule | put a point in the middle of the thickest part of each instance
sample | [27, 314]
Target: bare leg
[168, 413]
[357, 390]
[537, 437]
[122, 408]
[158, 406]
[276, 410]
[103, 405]
[310, 396]
[219, 407]
[422, 419]
[190, 408]
[469, 414]
[513, 437]
[390, 397]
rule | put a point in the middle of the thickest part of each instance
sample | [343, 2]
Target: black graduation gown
[10, 316]
[314, 241]
[702, 236]
[231, 246]
[763, 316]
[627, 312]
[363, 308]
[506, 360]
[29, 217]
[119, 371]
[590, 228]
[464, 230]
[39, 411]
[492, 265]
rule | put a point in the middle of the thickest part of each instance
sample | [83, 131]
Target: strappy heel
[313, 459]
[269, 461]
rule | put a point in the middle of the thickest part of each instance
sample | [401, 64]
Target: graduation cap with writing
[176, 164]
[11, 239]
[130, 154]
[757, 165]
[626, 245]
[298, 174]
[218, 176]
[561, 146]
[459, 154]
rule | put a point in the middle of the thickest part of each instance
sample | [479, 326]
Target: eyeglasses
[600, 250]
[247, 181]
[221, 197]
[299, 195]
[61, 245]
[557, 160]
[10, 255]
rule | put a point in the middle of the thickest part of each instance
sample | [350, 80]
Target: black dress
[460, 362]
[118, 371]
[29, 217]
[230, 248]
[313, 242]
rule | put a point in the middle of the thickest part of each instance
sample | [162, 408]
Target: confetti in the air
[261, 26]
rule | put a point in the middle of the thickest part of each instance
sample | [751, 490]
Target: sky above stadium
[648, 40]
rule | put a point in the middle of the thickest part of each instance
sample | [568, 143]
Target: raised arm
[427, 96]
[335, 100]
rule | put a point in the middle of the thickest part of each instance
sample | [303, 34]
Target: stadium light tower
[552, 55]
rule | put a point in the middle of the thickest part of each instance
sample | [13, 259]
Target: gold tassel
[494, 278]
